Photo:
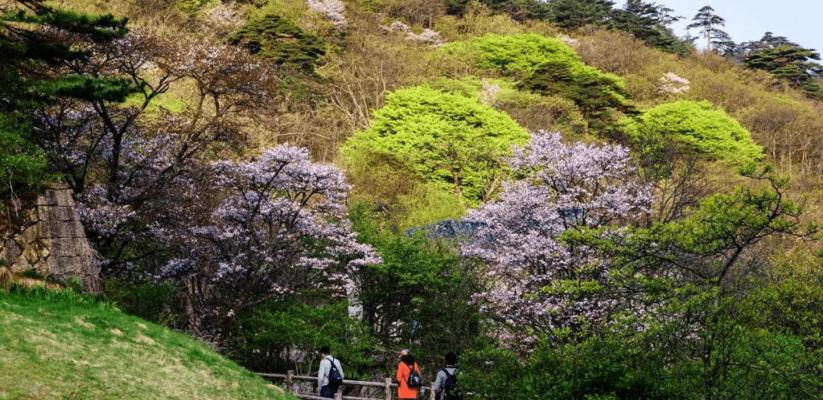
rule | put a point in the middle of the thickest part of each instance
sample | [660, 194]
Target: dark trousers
[327, 392]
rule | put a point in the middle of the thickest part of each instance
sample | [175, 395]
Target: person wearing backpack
[329, 375]
[408, 377]
[445, 385]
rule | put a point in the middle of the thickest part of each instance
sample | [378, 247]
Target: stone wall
[52, 241]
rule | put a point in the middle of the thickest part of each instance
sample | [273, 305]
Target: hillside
[566, 196]
[62, 346]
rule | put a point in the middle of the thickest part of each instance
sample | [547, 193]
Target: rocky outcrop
[51, 240]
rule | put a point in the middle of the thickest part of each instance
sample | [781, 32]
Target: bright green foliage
[697, 125]
[513, 55]
[60, 345]
[547, 66]
[274, 37]
[267, 334]
[452, 141]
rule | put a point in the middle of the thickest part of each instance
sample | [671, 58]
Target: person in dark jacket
[326, 362]
[444, 384]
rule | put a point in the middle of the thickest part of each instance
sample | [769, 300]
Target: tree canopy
[709, 24]
[450, 140]
[547, 66]
[698, 125]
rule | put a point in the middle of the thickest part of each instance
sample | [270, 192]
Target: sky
[801, 21]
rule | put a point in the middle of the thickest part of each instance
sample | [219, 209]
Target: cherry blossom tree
[539, 282]
[281, 228]
[131, 165]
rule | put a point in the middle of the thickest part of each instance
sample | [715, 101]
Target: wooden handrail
[387, 386]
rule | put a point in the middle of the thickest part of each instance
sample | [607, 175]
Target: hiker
[408, 376]
[329, 375]
[445, 385]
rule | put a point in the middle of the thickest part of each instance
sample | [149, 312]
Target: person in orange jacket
[405, 367]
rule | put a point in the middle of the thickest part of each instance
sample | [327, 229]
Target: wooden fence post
[289, 381]
[432, 395]
[388, 389]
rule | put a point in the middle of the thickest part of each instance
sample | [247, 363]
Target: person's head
[406, 357]
[451, 359]
[324, 351]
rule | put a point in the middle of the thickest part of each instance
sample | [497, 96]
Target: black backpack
[335, 377]
[450, 387]
[414, 381]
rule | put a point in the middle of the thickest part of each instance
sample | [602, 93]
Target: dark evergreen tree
[573, 14]
[649, 22]
[518, 9]
[37, 43]
[791, 63]
[768, 41]
[709, 25]
[724, 44]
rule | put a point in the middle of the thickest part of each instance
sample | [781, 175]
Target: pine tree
[649, 22]
[790, 62]
[708, 22]
[573, 14]
[37, 42]
[768, 41]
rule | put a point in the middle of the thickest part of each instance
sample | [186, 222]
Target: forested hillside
[571, 197]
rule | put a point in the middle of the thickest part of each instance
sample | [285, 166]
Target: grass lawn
[59, 345]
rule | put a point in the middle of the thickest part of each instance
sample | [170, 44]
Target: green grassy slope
[57, 345]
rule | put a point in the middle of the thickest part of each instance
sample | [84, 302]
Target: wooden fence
[388, 388]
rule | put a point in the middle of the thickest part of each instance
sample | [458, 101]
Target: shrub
[516, 55]
[532, 110]
[282, 335]
[452, 141]
[149, 301]
[546, 66]
[696, 125]
[273, 37]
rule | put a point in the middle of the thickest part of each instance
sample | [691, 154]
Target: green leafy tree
[452, 141]
[419, 296]
[709, 25]
[695, 273]
[692, 126]
[287, 335]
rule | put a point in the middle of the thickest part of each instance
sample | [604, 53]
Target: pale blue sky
[799, 20]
